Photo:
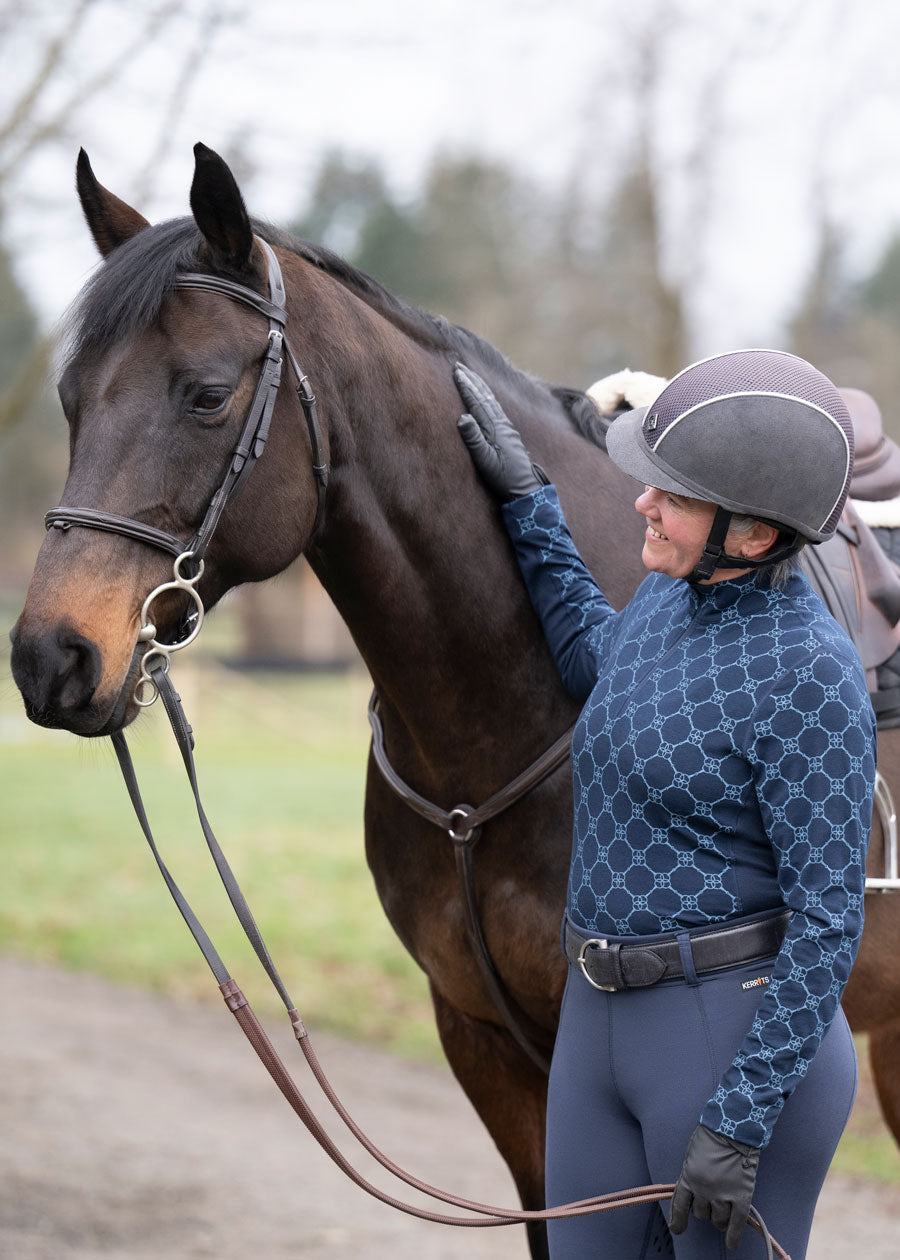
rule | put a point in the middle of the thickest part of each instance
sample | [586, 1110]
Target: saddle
[854, 573]
[860, 587]
[876, 463]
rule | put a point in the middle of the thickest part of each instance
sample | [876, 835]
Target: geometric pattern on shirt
[723, 764]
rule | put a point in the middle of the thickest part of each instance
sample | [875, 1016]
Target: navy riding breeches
[631, 1073]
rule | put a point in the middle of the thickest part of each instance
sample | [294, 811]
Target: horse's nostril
[79, 671]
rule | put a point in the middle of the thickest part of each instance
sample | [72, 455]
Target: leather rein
[462, 823]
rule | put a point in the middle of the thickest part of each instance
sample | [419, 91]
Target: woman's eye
[209, 401]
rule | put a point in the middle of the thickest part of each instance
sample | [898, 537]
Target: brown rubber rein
[156, 677]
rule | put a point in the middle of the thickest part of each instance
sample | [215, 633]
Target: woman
[723, 771]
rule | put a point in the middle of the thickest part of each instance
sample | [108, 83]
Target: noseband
[250, 446]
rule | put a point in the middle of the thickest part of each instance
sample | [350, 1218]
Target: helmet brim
[627, 449]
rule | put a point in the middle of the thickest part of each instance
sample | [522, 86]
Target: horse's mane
[126, 294]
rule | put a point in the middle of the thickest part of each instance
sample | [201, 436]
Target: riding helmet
[758, 432]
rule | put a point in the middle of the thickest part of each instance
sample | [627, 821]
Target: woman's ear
[756, 542]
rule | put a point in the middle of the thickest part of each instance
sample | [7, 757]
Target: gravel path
[136, 1128]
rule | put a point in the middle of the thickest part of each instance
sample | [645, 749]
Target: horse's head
[157, 387]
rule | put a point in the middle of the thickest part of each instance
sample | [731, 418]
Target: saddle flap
[859, 586]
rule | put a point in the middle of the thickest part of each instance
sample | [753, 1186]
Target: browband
[254, 433]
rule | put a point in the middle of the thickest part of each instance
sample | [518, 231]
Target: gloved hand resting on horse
[495, 445]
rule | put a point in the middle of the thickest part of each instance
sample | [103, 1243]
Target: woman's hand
[497, 450]
[718, 1178]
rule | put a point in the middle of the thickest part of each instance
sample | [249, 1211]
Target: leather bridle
[249, 448]
[462, 823]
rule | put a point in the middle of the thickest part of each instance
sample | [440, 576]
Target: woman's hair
[775, 575]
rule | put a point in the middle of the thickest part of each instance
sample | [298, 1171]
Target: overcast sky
[809, 99]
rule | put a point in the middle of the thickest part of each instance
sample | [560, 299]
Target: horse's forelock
[126, 293]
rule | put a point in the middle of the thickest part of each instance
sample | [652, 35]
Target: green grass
[281, 762]
[872, 1157]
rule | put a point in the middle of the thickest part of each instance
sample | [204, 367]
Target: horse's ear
[219, 210]
[111, 221]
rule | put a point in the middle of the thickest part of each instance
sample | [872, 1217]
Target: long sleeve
[575, 615]
[812, 756]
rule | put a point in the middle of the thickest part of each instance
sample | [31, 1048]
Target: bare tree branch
[55, 125]
[23, 110]
[24, 132]
[213, 20]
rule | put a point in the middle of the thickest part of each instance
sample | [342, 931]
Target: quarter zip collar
[715, 597]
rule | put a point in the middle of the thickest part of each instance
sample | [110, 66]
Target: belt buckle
[598, 943]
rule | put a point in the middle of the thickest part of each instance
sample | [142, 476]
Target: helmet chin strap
[716, 557]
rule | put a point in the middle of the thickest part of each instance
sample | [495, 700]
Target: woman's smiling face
[677, 528]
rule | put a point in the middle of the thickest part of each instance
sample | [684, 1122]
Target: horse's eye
[209, 401]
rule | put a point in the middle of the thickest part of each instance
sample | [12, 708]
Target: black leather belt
[613, 965]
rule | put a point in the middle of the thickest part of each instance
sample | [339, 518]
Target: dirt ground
[136, 1128]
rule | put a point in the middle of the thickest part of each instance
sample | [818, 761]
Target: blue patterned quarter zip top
[723, 765]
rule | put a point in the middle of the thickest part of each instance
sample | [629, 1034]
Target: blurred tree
[850, 329]
[642, 317]
[41, 105]
[460, 249]
[824, 327]
[879, 301]
[352, 212]
[568, 287]
[391, 245]
[345, 193]
[18, 327]
[477, 219]
[571, 283]
[488, 256]
[32, 458]
[881, 292]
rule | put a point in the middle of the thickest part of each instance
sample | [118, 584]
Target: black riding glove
[497, 450]
[718, 1177]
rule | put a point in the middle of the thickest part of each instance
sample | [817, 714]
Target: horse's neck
[415, 559]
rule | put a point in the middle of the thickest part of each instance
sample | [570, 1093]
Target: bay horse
[410, 549]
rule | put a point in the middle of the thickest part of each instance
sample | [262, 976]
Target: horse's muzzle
[59, 671]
